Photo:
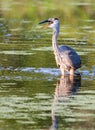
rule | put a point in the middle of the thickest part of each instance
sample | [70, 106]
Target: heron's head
[52, 23]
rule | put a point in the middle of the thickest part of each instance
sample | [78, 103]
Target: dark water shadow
[65, 87]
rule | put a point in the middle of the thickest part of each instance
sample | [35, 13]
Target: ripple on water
[27, 73]
[14, 52]
[20, 108]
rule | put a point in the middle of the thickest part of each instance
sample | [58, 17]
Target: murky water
[33, 94]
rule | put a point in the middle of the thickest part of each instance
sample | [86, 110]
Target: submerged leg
[72, 71]
[62, 70]
[72, 75]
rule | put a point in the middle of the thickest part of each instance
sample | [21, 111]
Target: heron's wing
[70, 57]
[65, 58]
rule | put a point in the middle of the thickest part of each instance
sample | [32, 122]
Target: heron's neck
[54, 40]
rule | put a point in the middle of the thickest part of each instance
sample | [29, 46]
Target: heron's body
[71, 60]
[66, 57]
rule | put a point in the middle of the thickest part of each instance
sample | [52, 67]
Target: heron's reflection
[65, 87]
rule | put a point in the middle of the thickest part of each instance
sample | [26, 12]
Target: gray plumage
[70, 57]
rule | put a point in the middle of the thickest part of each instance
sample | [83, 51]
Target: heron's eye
[50, 22]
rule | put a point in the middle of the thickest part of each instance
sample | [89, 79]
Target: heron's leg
[72, 71]
[62, 70]
[71, 78]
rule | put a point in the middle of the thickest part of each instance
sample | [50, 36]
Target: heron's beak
[45, 21]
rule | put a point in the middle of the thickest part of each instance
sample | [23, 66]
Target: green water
[33, 94]
[29, 81]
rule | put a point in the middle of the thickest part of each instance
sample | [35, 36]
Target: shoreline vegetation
[25, 14]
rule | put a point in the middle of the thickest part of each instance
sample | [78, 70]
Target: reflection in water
[65, 87]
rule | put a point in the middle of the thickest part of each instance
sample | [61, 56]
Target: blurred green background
[71, 11]
[18, 16]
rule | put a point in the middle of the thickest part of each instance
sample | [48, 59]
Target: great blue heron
[66, 57]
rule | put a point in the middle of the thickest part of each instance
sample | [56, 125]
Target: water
[33, 94]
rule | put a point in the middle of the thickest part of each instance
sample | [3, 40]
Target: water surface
[33, 94]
